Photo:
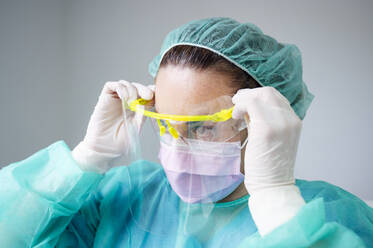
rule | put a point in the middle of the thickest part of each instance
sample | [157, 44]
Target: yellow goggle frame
[223, 115]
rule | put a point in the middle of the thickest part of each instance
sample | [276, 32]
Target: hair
[203, 59]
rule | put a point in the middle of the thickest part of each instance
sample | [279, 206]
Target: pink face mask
[202, 171]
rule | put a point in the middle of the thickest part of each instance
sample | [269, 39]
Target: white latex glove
[106, 137]
[273, 136]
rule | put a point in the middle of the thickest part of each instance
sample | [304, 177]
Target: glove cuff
[272, 207]
[90, 160]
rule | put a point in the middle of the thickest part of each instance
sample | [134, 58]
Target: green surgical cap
[269, 62]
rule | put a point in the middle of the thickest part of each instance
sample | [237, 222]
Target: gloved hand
[273, 136]
[107, 137]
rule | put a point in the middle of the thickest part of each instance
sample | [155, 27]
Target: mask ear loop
[247, 121]
[245, 142]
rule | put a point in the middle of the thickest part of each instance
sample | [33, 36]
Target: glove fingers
[143, 91]
[261, 103]
[238, 112]
[152, 87]
[115, 89]
[131, 90]
[127, 91]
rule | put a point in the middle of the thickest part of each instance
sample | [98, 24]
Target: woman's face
[180, 89]
[186, 91]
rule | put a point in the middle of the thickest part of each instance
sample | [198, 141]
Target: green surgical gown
[46, 200]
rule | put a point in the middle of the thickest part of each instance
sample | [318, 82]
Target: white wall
[56, 55]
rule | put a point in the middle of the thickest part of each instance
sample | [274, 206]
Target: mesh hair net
[269, 62]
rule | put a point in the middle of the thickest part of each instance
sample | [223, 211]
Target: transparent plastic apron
[200, 157]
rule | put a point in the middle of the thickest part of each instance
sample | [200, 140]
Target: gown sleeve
[40, 195]
[344, 221]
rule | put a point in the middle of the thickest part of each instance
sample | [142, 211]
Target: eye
[198, 130]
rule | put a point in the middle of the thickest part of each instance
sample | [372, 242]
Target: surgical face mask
[202, 171]
[201, 166]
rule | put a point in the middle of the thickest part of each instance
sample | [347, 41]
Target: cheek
[231, 134]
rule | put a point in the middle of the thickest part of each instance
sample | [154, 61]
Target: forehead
[186, 91]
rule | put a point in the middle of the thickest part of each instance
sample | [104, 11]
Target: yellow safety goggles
[139, 107]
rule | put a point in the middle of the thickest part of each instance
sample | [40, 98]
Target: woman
[226, 174]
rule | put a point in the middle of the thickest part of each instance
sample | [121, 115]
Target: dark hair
[203, 59]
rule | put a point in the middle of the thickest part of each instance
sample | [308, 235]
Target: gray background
[55, 57]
